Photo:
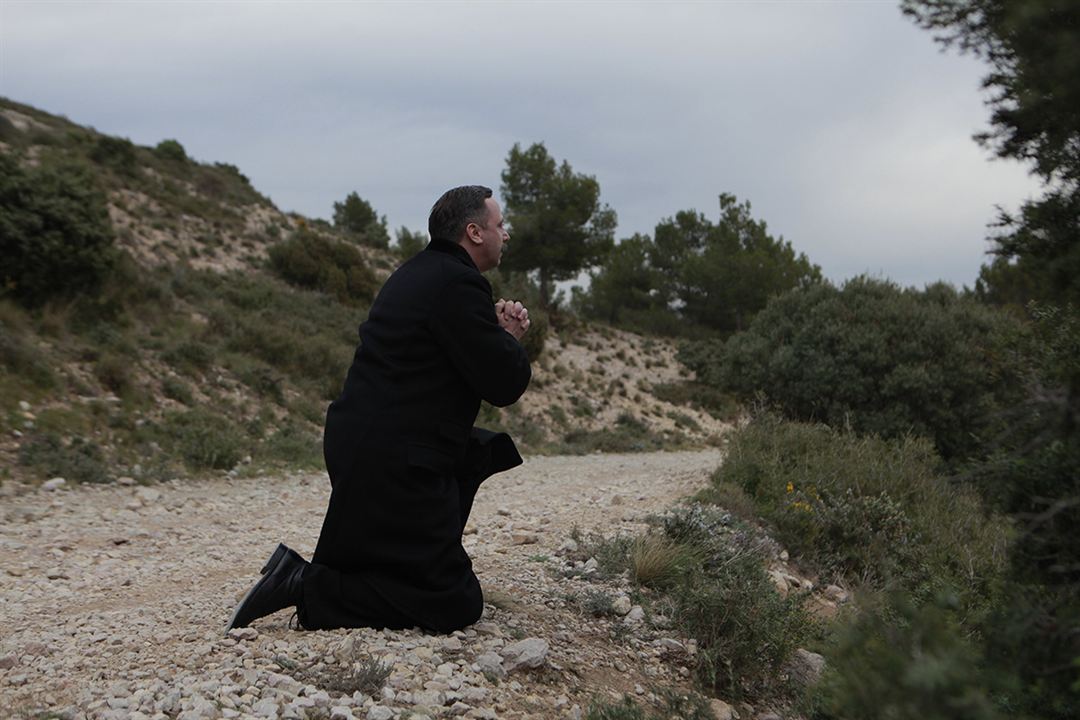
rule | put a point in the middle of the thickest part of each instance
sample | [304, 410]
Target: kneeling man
[403, 457]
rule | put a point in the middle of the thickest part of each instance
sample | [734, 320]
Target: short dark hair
[453, 212]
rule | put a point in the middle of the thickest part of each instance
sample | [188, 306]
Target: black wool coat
[403, 458]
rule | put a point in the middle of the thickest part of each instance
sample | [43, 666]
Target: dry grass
[657, 561]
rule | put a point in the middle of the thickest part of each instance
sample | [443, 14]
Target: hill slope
[194, 355]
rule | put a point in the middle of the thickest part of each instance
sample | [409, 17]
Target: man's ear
[472, 232]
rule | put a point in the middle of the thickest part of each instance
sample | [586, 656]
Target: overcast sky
[842, 123]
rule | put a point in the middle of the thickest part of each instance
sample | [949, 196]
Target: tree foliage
[625, 286]
[55, 235]
[883, 360]
[712, 276]
[724, 273]
[409, 243]
[1033, 49]
[357, 218]
[558, 226]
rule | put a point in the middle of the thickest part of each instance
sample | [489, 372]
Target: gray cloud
[842, 123]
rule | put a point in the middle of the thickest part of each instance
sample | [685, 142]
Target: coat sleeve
[491, 360]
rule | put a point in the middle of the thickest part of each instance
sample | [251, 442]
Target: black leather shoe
[279, 587]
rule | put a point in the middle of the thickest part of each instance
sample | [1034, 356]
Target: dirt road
[112, 601]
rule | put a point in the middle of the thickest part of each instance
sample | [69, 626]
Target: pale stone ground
[112, 600]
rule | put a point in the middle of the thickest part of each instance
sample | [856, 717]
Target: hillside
[194, 355]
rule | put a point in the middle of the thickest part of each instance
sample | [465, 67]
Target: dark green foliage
[1033, 49]
[114, 372]
[117, 154]
[1035, 476]
[626, 709]
[263, 379]
[171, 150]
[1008, 283]
[409, 243]
[189, 355]
[906, 662]
[699, 395]
[76, 461]
[723, 274]
[627, 435]
[358, 219]
[878, 359]
[672, 705]
[598, 603]
[625, 286]
[204, 439]
[558, 226]
[865, 509]
[55, 236]
[176, 389]
[309, 260]
[18, 353]
[292, 445]
[8, 132]
[745, 630]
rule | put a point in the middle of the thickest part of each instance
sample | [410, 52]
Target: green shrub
[171, 150]
[883, 360]
[55, 236]
[672, 704]
[598, 603]
[114, 372]
[189, 355]
[745, 630]
[263, 380]
[717, 403]
[18, 353]
[76, 461]
[293, 446]
[115, 153]
[8, 132]
[865, 508]
[205, 440]
[906, 662]
[176, 389]
[312, 261]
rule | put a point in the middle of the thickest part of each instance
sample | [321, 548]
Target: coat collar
[454, 249]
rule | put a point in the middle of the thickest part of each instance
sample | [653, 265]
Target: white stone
[621, 605]
[528, 653]
[56, 483]
[490, 664]
[722, 711]
[806, 667]
[378, 712]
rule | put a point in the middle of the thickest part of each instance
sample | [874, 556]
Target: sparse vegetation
[864, 509]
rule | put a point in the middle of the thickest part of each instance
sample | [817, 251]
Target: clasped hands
[513, 317]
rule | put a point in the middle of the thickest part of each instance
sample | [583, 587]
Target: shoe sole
[273, 562]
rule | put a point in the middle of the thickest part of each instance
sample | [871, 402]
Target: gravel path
[112, 601]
